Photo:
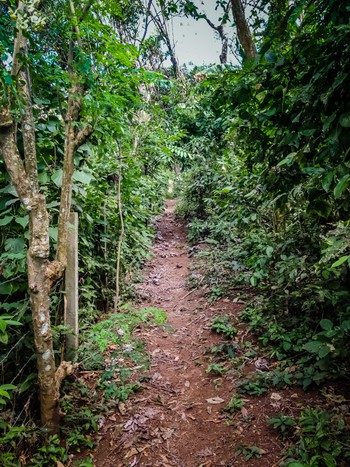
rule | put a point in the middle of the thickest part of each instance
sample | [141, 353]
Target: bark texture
[243, 32]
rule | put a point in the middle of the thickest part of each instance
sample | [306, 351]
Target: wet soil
[178, 418]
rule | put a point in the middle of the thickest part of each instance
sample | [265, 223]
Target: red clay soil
[178, 419]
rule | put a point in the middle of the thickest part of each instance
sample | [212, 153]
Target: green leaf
[321, 207]
[85, 148]
[344, 120]
[56, 177]
[83, 177]
[327, 181]
[313, 346]
[308, 132]
[4, 393]
[326, 324]
[23, 221]
[5, 289]
[328, 121]
[324, 351]
[53, 233]
[4, 338]
[8, 387]
[253, 281]
[269, 250]
[12, 322]
[15, 245]
[227, 189]
[340, 261]
[341, 186]
[6, 220]
[312, 170]
[289, 160]
[345, 325]
[7, 79]
[3, 325]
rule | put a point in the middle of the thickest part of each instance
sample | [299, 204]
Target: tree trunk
[224, 40]
[243, 31]
[40, 305]
[24, 177]
[120, 242]
[159, 21]
[37, 260]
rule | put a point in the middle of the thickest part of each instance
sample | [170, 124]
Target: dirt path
[173, 420]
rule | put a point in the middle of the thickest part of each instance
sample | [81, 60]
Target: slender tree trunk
[120, 243]
[41, 272]
[243, 32]
[224, 40]
[159, 21]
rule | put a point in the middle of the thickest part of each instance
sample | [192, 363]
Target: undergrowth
[319, 438]
[109, 366]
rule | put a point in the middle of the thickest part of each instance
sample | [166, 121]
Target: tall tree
[160, 15]
[243, 32]
[42, 273]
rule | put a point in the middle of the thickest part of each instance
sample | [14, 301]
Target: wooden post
[71, 286]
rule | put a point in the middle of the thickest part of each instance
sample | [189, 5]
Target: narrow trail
[174, 421]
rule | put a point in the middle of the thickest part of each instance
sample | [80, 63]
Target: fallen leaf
[215, 400]
[275, 396]
[59, 464]
[167, 433]
[207, 452]
[244, 412]
[262, 364]
[122, 408]
[132, 452]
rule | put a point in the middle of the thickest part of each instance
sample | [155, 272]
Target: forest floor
[177, 419]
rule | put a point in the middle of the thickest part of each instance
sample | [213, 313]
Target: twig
[191, 291]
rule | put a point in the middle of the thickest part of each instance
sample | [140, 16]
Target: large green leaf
[83, 177]
[6, 220]
[327, 180]
[326, 324]
[23, 221]
[15, 245]
[56, 177]
[341, 186]
[313, 346]
[340, 261]
[5, 289]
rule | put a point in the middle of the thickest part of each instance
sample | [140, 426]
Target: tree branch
[83, 135]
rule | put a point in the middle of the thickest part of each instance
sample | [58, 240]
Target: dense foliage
[264, 154]
[271, 186]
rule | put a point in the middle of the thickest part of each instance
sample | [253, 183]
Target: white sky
[195, 41]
